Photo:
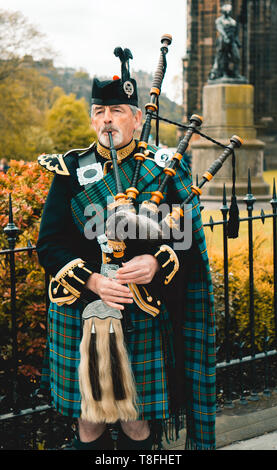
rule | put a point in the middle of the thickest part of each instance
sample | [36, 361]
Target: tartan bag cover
[198, 320]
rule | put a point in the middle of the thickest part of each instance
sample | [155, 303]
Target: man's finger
[113, 285]
[116, 298]
[123, 276]
[138, 280]
[128, 269]
[114, 305]
[108, 293]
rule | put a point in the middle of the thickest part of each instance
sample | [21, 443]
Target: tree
[24, 98]
[68, 124]
[18, 38]
[25, 95]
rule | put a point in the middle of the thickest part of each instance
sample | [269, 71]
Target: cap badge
[128, 88]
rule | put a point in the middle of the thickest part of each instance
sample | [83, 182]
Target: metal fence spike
[249, 199]
[11, 230]
[224, 195]
[29, 245]
[10, 209]
[224, 208]
[273, 201]
[249, 188]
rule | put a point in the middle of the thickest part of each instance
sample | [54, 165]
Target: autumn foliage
[239, 295]
[28, 184]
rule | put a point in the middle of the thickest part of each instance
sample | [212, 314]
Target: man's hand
[139, 270]
[113, 293]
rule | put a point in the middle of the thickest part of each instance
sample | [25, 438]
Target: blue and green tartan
[150, 364]
[148, 348]
[96, 196]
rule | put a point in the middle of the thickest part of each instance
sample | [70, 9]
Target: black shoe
[103, 442]
[124, 442]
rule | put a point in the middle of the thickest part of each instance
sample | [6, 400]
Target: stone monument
[228, 109]
[227, 57]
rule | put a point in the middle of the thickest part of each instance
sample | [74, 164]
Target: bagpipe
[106, 381]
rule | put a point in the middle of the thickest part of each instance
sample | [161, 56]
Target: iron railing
[238, 358]
[11, 231]
[242, 361]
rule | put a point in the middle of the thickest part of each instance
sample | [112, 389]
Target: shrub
[28, 185]
[239, 298]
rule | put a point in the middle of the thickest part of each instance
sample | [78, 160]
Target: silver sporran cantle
[98, 308]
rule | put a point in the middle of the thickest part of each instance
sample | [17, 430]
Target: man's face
[116, 118]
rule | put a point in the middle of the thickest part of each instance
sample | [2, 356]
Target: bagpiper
[143, 357]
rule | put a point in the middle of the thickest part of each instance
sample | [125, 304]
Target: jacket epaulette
[56, 162]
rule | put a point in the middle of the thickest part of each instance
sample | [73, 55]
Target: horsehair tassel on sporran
[93, 366]
[108, 391]
[116, 369]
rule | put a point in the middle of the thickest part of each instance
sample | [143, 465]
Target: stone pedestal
[228, 110]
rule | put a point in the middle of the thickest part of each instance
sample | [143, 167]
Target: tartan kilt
[149, 349]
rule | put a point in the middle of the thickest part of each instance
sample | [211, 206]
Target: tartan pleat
[64, 332]
[150, 356]
[199, 340]
[199, 337]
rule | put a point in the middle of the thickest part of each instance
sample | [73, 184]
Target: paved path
[265, 442]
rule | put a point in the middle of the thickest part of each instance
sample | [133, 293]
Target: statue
[226, 64]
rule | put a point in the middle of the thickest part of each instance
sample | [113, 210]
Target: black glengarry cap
[118, 90]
